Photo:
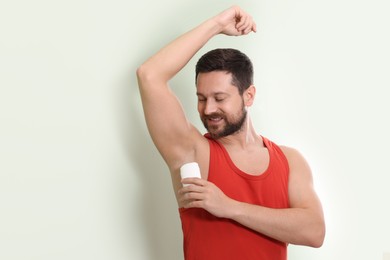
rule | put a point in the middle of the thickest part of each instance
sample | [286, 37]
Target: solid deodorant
[190, 170]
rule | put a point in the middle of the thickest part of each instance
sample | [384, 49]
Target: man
[254, 197]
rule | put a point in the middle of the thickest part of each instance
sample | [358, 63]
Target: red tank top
[207, 237]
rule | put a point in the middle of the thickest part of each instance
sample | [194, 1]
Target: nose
[209, 107]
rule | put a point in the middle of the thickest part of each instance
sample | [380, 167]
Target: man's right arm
[173, 135]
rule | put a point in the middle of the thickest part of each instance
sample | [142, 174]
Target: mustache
[213, 115]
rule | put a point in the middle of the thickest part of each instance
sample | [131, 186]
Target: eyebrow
[214, 94]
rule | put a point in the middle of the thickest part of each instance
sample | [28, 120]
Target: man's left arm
[301, 224]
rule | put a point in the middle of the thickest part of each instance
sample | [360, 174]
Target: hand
[204, 194]
[234, 22]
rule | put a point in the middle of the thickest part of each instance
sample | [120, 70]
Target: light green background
[79, 176]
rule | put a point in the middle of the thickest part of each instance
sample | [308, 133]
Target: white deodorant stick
[190, 170]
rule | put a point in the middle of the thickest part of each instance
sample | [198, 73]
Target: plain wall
[79, 175]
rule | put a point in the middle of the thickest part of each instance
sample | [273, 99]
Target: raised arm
[173, 135]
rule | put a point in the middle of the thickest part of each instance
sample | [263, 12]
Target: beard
[231, 126]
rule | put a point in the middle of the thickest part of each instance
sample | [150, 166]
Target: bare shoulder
[296, 161]
[290, 151]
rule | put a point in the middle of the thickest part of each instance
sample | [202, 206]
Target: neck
[244, 138]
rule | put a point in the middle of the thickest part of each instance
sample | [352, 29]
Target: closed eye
[220, 97]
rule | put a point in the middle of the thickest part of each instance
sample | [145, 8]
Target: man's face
[220, 106]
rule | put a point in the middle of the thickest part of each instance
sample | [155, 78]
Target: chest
[253, 162]
[256, 177]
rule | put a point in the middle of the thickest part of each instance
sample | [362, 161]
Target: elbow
[142, 73]
[312, 235]
[318, 241]
[148, 74]
[316, 236]
[144, 78]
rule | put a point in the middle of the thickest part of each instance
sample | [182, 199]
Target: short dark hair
[230, 60]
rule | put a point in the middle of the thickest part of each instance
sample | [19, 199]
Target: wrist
[214, 26]
[232, 211]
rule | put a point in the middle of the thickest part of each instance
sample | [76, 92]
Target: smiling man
[254, 197]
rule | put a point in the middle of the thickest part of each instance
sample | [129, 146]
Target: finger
[191, 188]
[247, 30]
[194, 204]
[191, 192]
[189, 197]
[195, 181]
[248, 25]
[241, 23]
[250, 28]
[254, 27]
[247, 20]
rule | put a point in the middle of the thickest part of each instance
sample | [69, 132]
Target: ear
[249, 95]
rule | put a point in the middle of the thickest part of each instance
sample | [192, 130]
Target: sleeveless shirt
[207, 237]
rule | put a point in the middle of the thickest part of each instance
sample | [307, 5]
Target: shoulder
[291, 153]
[295, 159]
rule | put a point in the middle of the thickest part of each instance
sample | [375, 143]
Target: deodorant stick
[190, 170]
